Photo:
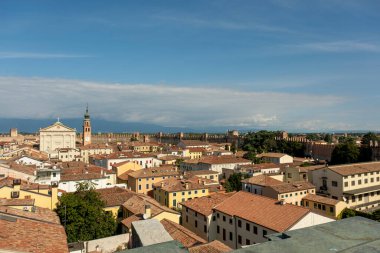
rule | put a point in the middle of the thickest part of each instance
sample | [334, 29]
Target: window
[224, 218]
[352, 183]
[203, 191]
[139, 179]
[174, 203]
[204, 218]
[189, 192]
[217, 229]
[15, 195]
[323, 207]
[196, 214]
[147, 186]
[239, 239]
[224, 234]
[264, 233]
[255, 230]
[196, 223]
[217, 215]
[334, 183]
[183, 193]
[247, 242]
[331, 209]
[187, 218]
[174, 194]
[360, 197]
[230, 221]
[247, 227]
[139, 187]
[372, 180]
[196, 192]
[366, 181]
[307, 203]
[205, 229]
[353, 199]
[54, 174]
[231, 237]
[213, 218]
[359, 181]
[239, 223]
[345, 184]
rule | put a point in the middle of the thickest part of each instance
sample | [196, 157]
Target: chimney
[186, 185]
[16, 184]
[148, 212]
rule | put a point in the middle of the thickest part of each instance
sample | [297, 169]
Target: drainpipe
[236, 235]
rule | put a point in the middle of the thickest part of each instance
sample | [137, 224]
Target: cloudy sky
[276, 64]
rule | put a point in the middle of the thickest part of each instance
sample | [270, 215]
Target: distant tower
[86, 128]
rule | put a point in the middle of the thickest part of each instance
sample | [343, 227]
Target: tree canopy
[368, 138]
[234, 182]
[346, 152]
[83, 216]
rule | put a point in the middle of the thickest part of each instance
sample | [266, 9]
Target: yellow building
[141, 181]
[323, 205]
[44, 195]
[122, 170]
[196, 153]
[206, 174]
[145, 147]
[171, 192]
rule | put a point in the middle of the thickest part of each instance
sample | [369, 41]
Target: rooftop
[262, 180]
[151, 232]
[292, 187]
[271, 154]
[181, 234]
[177, 184]
[211, 247]
[355, 168]
[321, 199]
[165, 247]
[351, 235]
[224, 159]
[263, 211]
[204, 205]
[155, 172]
[25, 235]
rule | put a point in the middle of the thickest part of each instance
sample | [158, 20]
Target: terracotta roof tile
[211, 247]
[292, 187]
[181, 234]
[262, 180]
[177, 184]
[38, 213]
[355, 168]
[16, 202]
[263, 211]
[155, 172]
[224, 159]
[321, 199]
[204, 205]
[32, 236]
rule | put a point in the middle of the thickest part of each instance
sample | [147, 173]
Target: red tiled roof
[16, 202]
[155, 172]
[355, 168]
[38, 213]
[211, 247]
[24, 235]
[181, 234]
[263, 211]
[262, 180]
[224, 159]
[204, 205]
[292, 187]
[321, 199]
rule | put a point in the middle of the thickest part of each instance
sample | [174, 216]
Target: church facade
[57, 136]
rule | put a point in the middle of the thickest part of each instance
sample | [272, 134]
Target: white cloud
[161, 104]
[31, 55]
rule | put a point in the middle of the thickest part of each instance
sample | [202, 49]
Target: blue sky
[277, 64]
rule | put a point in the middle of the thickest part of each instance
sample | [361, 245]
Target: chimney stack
[148, 212]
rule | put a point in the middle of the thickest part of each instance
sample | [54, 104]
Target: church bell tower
[86, 128]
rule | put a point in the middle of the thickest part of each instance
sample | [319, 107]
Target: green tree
[313, 137]
[234, 182]
[328, 138]
[179, 161]
[346, 152]
[368, 137]
[83, 216]
[250, 155]
[262, 141]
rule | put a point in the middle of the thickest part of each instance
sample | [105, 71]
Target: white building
[57, 136]
[144, 160]
[277, 158]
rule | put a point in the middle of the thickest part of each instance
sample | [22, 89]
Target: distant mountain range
[105, 126]
[98, 125]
